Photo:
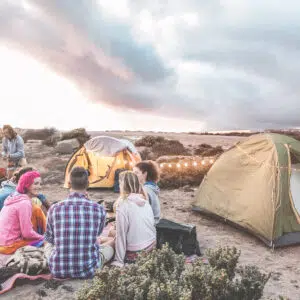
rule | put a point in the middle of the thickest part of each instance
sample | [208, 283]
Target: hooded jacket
[15, 220]
[152, 191]
[13, 147]
[135, 226]
[7, 188]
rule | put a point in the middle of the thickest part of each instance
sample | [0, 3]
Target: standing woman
[148, 173]
[22, 223]
[12, 150]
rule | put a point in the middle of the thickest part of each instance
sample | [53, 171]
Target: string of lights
[192, 163]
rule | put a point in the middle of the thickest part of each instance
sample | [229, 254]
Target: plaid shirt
[73, 226]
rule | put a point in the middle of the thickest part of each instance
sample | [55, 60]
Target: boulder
[67, 147]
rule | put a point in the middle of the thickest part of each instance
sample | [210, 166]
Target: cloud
[229, 64]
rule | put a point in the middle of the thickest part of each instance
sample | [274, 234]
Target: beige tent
[256, 185]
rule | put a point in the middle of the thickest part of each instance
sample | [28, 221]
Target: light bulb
[185, 164]
[195, 164]
[211, 161]
[161, 165]
[170, 166]
[178, 165]
[203, 162]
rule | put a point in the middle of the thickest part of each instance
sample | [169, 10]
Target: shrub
[251, 283]
[162, 274]
[159, 146]
[149, 141]
[224, 258]
[38, 134]
[169, 147]
[208, 150]
[51, 141]
[79, 133]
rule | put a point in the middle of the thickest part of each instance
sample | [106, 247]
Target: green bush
[164, 275]
[224, 258]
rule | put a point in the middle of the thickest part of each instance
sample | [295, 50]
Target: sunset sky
[150, 65]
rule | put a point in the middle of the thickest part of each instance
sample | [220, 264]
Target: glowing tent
[102, 156]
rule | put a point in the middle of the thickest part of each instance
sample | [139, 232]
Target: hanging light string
[269, 165]
[192, 163]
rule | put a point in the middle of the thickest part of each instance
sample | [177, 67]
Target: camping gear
[9, 275]
[255, 185]
[102, 156]
[182, 238]
[30, 260]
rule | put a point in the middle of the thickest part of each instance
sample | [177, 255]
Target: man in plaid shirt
[73, 227]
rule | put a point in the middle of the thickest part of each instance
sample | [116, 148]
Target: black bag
[182, 238]
[116, 180]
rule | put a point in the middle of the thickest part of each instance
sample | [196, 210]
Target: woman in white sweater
[135, 226]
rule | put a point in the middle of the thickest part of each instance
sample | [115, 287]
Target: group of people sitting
[70, 231]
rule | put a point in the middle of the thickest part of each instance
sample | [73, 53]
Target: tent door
[294, 183]
[295, 186]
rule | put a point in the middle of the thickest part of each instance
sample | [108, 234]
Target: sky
[190, 65]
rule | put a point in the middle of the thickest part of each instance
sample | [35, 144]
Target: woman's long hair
[11, 131]
[130, 184]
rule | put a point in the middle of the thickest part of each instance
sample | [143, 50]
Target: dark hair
[79, 178]
[151, 168]
[22, 172]
[11, 131]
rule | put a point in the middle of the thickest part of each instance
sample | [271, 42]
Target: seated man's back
[73, 226]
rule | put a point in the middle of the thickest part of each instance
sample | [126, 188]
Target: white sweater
[135, 227]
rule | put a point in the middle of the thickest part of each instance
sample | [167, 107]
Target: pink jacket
[15, 220]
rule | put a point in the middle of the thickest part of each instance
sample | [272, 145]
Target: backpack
[182, 238]
[116, 180]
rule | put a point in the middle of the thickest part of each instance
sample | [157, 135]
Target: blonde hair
[129, 183]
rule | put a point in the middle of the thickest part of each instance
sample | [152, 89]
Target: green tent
[256, 185]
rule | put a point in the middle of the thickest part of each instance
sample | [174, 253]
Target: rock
[67, 147]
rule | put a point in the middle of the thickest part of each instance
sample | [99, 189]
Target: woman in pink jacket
[18, 215]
